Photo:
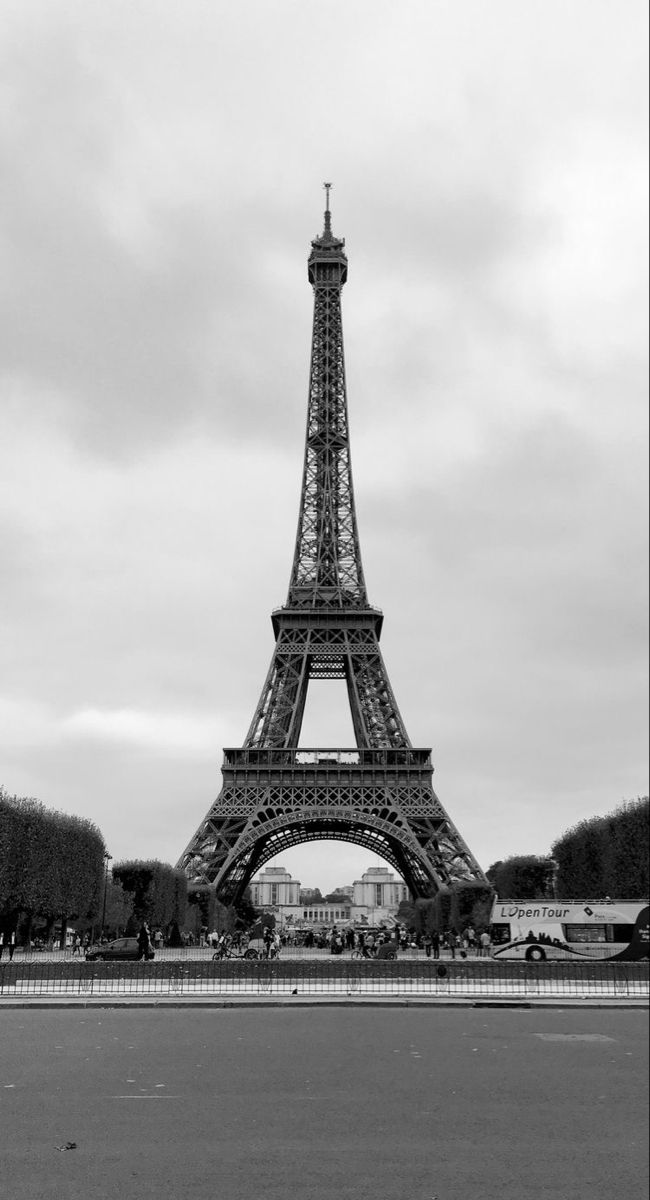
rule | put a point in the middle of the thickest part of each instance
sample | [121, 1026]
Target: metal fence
[326, 977]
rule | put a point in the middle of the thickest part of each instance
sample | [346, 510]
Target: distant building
[378, 895]
[372, 900]
[274, 888]
[344, 894]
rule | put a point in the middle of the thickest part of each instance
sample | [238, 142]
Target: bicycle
[222, 952]
[385, 950]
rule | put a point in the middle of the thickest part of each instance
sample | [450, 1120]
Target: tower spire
[328, 215]
[327, 568]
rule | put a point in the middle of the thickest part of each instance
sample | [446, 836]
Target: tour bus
[536, 930]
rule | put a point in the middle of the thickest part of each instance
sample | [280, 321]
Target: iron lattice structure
[378, 794]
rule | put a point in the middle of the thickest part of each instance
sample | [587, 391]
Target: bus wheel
[535, 954]
[251, 954]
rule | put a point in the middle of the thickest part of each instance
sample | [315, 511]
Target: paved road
[323, 1104]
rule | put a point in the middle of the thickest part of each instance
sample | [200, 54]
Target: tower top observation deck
[327, 250]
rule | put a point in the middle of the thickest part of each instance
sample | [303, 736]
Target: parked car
[123, 949]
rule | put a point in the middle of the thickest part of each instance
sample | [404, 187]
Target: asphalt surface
[323, 1103]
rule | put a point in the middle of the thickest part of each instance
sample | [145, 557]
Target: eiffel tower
[378, 794]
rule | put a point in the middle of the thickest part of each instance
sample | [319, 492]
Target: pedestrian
[144, 941]
[2, 943]
[76, 945]
[485, 943]
[427, 943]
[12, 944]
[435, 943]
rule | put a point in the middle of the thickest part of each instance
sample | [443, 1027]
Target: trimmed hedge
[606, 856]
[51, 864]
[523, 877]
[158, 891]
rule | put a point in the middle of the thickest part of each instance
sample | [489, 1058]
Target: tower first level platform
[380, 799]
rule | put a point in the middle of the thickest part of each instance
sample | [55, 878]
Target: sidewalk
[311, 1001]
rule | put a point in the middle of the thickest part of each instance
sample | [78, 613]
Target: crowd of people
[269, 942]
[363, 942]
[469, 942]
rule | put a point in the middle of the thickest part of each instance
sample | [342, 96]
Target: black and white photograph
[324, 603]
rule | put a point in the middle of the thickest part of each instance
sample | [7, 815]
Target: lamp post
[107, 859]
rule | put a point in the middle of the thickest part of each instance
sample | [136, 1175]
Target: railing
[403, 756]
[331, 976]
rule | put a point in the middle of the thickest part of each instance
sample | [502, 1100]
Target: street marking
[574, 1037]
[144, 1097]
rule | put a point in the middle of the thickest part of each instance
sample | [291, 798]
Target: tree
[425, 915]
[211, 914]
[522, 877]
[456, 907]
[439, 911]
[158, 890]
[471, 904]
[118, 907]
[51, 864]
[246, 911]
[407, 915]
[24, 855]
[606, 856]
[77, 870]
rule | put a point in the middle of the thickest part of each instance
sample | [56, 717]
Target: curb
[42, 1003]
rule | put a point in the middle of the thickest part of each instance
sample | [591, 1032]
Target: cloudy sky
[162, 168]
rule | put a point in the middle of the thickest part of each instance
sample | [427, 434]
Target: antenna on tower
[328, 216]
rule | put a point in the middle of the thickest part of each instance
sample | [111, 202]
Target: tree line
[53, 871]
[51, 866]
[602, 856]
[598, 857]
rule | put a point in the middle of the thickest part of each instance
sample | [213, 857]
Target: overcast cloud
[162, 169]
